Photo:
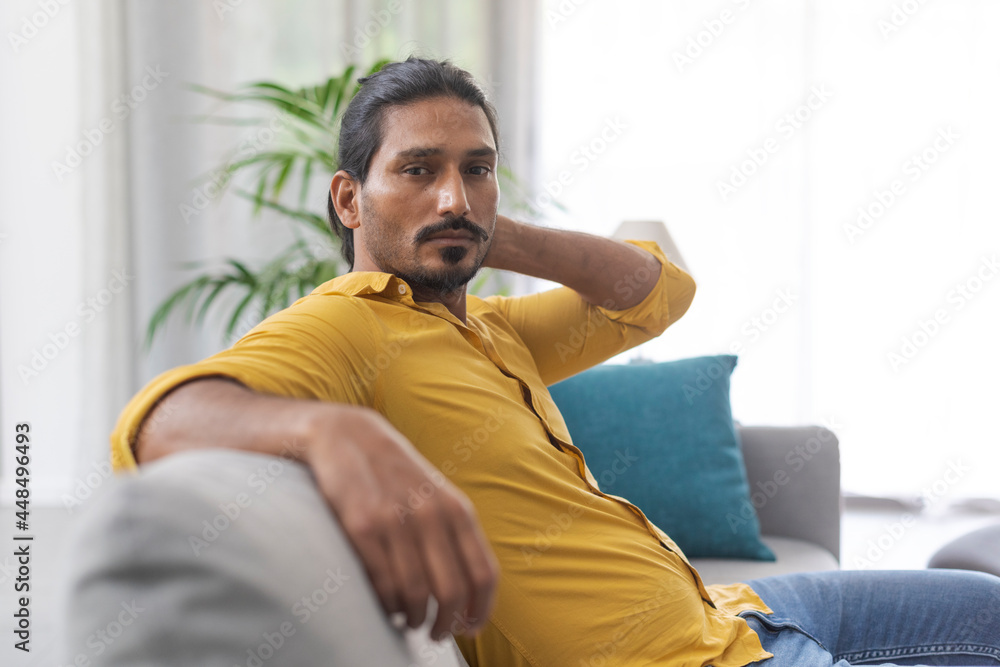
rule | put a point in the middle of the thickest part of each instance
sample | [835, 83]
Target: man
[391, 379]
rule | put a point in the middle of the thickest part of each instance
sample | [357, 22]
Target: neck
[453, 300]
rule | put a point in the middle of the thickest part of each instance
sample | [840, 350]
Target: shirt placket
[486, 347]
[586, 475]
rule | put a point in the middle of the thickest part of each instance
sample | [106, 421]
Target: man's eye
[485, 171]
[410, 170]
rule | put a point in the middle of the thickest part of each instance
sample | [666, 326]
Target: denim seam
[779, 623]
[921, 651]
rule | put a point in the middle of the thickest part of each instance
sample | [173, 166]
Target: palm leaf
[178, 297]
[220, 284]
[314, 221]
[235, 317]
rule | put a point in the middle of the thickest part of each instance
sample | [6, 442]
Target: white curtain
[96, 245]
[757, 129]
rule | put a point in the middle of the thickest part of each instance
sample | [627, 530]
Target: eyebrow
[485, 151]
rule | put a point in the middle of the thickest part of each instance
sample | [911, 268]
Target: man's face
[428, 209]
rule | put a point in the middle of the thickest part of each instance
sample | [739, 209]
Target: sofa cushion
[674, 419]
[227, 557]
[793, 555]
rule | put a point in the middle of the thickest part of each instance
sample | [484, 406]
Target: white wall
[41, 270]
[689, 124]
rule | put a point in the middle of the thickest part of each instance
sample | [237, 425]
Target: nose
[452, 200]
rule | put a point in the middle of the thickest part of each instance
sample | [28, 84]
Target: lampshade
[651, 230]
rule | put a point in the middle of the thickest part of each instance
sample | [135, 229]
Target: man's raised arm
[614, 295]
[606, 273]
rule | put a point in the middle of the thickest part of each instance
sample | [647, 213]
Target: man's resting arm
[364, 468]
[293, 387]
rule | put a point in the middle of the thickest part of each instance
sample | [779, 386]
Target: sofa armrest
[225, 557]
[794, 476]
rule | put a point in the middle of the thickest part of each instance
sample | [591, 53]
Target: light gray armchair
[220, 557]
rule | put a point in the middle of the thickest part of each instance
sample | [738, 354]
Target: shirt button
[402, 289]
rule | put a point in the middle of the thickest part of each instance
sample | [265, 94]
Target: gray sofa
[799, 518]
[218, 557]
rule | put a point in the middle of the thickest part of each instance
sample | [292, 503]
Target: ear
[346, 194]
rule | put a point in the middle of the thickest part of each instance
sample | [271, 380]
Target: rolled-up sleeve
[567, 335]
[312, 350]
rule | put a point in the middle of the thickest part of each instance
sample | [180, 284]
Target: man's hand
[365, 470]
[594, 266]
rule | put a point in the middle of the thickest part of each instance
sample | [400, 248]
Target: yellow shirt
[586, 578]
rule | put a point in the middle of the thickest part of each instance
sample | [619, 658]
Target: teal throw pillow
[674, 421]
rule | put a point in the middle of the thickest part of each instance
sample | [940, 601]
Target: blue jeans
[904, 617]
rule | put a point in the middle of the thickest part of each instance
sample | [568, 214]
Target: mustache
[456, 223]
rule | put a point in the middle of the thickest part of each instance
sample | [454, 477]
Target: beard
[448, 279]
[401, 257]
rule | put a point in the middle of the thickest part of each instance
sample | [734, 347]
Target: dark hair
[395, 84]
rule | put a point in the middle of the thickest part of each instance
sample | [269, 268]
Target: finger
[479, 566]
[349, 499]
[411, 581]
[441, 562]
[377, 561]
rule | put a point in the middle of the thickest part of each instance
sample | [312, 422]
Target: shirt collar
[361, 283]
[365, 283]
